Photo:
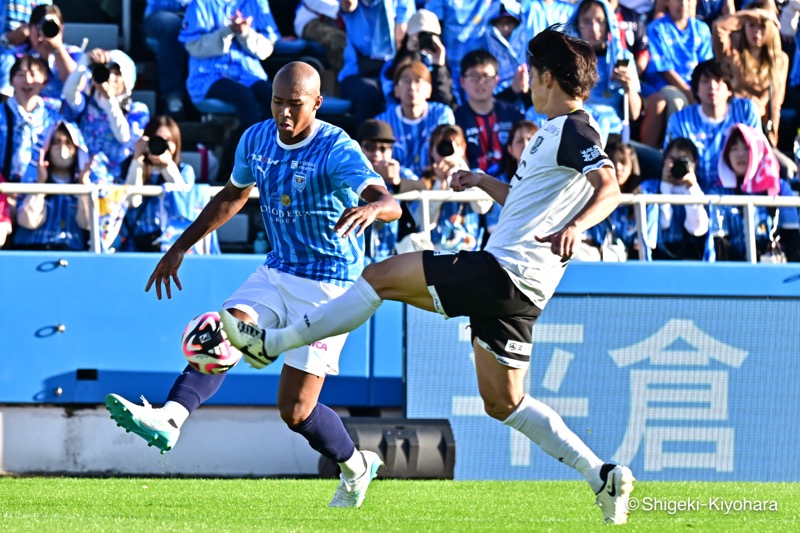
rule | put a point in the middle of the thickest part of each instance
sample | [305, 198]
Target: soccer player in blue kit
[309, 176]
[564, 185]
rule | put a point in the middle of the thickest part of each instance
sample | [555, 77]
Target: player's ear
[317, 102]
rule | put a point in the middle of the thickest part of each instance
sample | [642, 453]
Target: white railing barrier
[639, 201]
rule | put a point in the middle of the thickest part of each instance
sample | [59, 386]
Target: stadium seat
[233, 235]
[152, 44]
[332, 105]
[105, 36]
[146, 97]
[211, 106]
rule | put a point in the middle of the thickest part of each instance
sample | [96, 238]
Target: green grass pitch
[239, 505]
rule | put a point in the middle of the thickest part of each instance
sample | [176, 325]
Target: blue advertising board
[681, 387]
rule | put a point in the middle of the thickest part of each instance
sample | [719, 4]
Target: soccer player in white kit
[564, 185]
[310, 177]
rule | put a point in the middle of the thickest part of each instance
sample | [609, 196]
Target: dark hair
[571, 61]
[42, 10]
[29, 62]
[711, 69]
[175, 131]
[451, 132]
[685, 145]
[616, 149]
[507, 164]
[735, 136]
[477, 58]
[417, 67]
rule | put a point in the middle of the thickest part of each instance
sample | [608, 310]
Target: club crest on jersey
[538, 142]
[299, 181]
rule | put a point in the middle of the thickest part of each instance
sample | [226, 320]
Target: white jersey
[547, 191]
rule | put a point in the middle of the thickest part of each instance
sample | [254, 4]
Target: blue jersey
[54, 86]
[412, 135]
[238, 64]
[28, 129]
[304, 189]
[673, 49]
[540, 15]
[794, 74]
[463, 28]
[370, 32]
[709, 136]
[175, 6]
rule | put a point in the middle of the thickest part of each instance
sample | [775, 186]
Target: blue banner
[678, 388]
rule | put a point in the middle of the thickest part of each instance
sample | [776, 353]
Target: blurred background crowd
[694, 97]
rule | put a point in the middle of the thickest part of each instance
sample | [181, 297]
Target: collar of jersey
[412, 121]
[302, 143]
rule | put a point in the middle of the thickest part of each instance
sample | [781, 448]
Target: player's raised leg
[161, 427]
[504, 398]
[400, 278]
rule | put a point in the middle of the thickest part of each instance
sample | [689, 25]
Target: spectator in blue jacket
[25, 117]
[98, 98]
[56, 221]
[14, 31]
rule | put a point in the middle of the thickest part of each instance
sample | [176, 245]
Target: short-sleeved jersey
[487, 135]
[547, 191]
[304, 188]
[412, 135]
[708, 135]
[674, 49]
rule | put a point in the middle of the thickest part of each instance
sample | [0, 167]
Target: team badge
[536, 144]
[299, 181]
[285, 200]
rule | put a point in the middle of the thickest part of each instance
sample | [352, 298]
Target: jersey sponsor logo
[519, 348]
[319, 346]
[591, 153]
[299, 181]
[551, 129]
[536, 144]
[264, 159]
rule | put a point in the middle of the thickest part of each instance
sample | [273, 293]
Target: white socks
[340, 315]
[355, 467]
[175, 412]
[543, 426]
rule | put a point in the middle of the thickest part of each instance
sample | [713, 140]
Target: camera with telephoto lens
[157, 145]
[680, 167]
[50, 26]
[445, 148]
[101, 72]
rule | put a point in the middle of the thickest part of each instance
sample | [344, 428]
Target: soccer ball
[206, 346]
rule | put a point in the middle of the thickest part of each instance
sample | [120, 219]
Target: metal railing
[639, 201]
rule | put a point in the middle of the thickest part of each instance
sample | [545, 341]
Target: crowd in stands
[694, 97]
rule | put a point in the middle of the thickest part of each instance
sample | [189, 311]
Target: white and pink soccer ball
[206, 346]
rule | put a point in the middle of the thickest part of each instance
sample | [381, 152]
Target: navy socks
[324, 431]
[193, 388]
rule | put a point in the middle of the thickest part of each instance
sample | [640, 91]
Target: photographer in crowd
[156, 160]
[46, 40]
[98, 98]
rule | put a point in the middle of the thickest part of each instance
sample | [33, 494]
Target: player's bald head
[298, 79]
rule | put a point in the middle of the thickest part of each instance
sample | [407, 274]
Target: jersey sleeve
[581, 148]
[348, 167]
[660, 54]
[242, 174]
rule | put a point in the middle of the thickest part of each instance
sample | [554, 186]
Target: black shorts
[474, 284]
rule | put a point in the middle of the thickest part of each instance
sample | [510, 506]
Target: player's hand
[464, 179]
[521, 83]
[166, 268]
[356, 218]
[562, 242]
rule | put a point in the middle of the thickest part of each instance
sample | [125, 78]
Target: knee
[378, 276]
[293, 412]
[498, 408]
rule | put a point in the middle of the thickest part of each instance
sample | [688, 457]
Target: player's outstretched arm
[603, 201]
[218, 211]
[380, 206]
[465, 179]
